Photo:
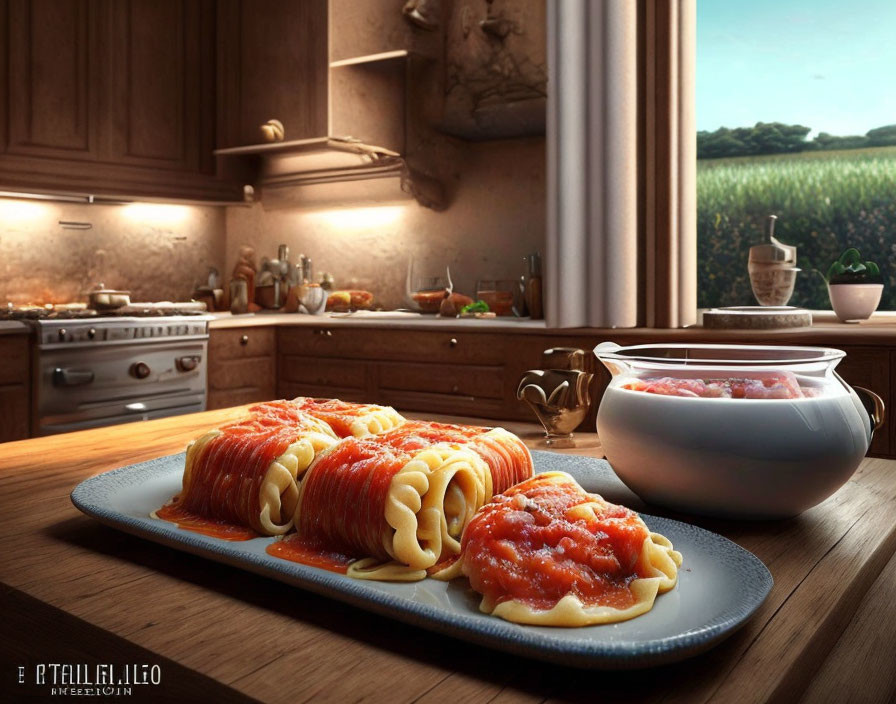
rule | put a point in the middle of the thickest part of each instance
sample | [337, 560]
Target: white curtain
[594, 238]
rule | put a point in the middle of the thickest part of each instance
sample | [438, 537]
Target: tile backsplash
[156, 251]
[495, 217]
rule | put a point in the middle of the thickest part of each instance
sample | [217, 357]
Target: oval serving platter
[720, 584]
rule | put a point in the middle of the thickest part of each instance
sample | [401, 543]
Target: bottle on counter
[534, 289]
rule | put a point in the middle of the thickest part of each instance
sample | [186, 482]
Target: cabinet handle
[455, 389]
[324, 332]
[452, 342]
[244, 340]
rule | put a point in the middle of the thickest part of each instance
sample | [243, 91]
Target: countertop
[826, 331]
[74, 591]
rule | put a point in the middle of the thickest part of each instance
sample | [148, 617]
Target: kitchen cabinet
[241, 366]
[111, 98]
[272, 65]
[435, 371]
[15, 387]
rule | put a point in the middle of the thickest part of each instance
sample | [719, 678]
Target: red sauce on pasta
[186, 520]
[526, 546]
[296, 548]
[226, 475]
[338, 414]
[505, 454]
[344, 497]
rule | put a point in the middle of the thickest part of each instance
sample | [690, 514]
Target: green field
[825, 201]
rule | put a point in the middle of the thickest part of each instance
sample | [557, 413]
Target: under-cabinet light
[20, 211]
[156, 213]
[361, 218]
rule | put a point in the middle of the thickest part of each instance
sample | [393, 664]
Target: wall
[158, 252]
[496, 217]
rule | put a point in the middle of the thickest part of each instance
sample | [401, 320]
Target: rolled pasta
[351, 419]
[246, 474]
[546, 552]
[507, 457]
[396, 504]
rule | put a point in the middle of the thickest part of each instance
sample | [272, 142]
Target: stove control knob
[62, 334]
[187, 364]
[140, 370]
[91, 333]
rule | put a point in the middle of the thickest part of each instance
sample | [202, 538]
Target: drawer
[452, 404]
[344, 373]
[291, 389]
[14, 351]
[14, 412]
[239, 343]
[397, 345]
[241, 373]
[463, 380]
[237, 397]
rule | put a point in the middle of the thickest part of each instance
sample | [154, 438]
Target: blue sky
[826, 64]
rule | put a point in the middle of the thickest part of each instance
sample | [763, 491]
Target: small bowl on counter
[745, 432]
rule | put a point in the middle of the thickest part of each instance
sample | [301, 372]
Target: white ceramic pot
[855, 301]
[735, 457]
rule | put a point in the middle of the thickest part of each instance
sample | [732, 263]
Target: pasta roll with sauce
[507, 457]
[397, 506]
[246, 474]
[548, 553]
[351, 419]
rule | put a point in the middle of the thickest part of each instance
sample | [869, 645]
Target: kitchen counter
[13, 327]
[74, 591]
[826, 331]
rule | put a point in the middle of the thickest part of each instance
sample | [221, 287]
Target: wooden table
[74, 591]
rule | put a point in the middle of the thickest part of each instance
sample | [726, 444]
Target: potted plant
[854, 286]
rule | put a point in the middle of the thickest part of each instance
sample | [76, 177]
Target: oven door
[90, 387]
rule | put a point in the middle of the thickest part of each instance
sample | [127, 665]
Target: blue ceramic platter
[720, 584]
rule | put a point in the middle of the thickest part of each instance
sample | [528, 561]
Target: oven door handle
[71, 377]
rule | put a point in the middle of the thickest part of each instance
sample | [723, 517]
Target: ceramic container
[733, 431]
[853, 302]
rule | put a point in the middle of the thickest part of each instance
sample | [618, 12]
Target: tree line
[778, 138]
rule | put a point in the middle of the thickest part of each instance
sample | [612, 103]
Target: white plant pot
[855, 301]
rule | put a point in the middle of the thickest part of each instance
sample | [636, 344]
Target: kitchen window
[796, 113]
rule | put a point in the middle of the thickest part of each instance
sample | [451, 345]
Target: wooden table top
[74, 591]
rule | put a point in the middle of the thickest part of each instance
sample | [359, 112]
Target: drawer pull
[452, 342]
[324, 332]
[455, 389]
[244, 340]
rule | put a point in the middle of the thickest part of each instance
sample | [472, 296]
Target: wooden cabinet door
[272, 64]
[161, 88]
[241, 366]
[52, 70]
[15, 387]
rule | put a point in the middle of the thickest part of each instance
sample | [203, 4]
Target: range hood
[323, 159]
[335, 170]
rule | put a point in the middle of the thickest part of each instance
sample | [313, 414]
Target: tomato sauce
[338, 414]
[527, 546]
[215, 528]
[344, 497]
[507, 457]
[225, 479]
[296, 548]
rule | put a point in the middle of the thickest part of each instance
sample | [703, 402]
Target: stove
[92, 370]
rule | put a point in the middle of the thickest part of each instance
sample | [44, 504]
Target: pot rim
[681, 354]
